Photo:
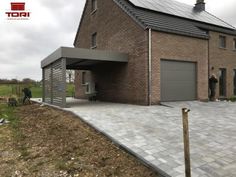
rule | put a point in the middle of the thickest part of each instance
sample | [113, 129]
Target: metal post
[186, 142]
[43, 84]
[149, 66]
[51, 83]
[63, 63]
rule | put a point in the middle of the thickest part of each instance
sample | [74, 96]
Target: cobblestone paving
[155, 133]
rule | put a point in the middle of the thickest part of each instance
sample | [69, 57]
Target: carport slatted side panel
[57, 86]
[47, 84]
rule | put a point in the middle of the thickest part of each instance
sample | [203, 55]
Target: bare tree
[70, 76]
[28, 81]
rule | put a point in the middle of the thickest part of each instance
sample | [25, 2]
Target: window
[94, 40]
[234, 44]
[94, 5]
[234, 81]
[222, 42]
[222, 82]
[87, 88]
[83, 77]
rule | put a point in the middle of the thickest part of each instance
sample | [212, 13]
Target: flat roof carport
[55, 65]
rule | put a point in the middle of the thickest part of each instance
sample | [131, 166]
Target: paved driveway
[155, 134]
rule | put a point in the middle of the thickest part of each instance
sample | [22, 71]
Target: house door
[222, 82]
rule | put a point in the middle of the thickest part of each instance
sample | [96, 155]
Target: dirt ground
[47, 142]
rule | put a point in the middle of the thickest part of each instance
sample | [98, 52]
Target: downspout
[209, 67]
[149, 66]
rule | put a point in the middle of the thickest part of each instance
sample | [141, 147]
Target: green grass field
[36, 89]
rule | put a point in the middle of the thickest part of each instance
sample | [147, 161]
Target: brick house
[172, 47]
[172, 50]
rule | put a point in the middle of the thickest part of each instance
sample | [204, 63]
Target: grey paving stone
[174, 173]
[155, 132]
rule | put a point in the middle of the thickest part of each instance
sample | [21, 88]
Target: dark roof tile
[179, 9]
[173, 17]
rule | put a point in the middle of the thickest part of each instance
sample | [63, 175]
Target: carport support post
[186, 142]
[51, 83]
[63, 63]
[43, 84]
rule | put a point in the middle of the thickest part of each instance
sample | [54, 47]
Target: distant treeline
[15, 81]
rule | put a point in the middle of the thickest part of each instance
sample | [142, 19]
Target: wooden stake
[186, 142]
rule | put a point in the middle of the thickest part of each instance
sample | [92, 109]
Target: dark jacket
[27, 92]
[212, 83]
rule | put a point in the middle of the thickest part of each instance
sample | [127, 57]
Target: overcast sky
[53, 23]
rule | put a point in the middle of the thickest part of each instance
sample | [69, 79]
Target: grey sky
[23, 44]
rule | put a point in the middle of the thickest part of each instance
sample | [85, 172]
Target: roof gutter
[149, 66]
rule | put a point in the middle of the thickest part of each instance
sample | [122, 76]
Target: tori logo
[18, 12]
[17, 6]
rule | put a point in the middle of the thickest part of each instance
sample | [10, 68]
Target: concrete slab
[155, 133]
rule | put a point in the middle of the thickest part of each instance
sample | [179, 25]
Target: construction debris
[3, 121]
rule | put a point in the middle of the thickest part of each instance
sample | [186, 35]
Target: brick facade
[128, 83]
[116, 31]
[180, 48]
[222, 58]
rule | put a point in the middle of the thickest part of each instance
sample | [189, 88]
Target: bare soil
[47, 142]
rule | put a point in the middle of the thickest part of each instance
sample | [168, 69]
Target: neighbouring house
[145, 52]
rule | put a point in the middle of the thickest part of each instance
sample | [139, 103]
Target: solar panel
[180, 9]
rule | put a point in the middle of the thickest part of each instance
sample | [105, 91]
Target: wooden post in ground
[186, 142]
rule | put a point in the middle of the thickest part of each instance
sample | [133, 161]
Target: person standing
[212, 86]
[27, 95]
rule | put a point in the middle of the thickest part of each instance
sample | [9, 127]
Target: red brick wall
[222, 58]
[80, 88]
[176, 47]
[116, 31]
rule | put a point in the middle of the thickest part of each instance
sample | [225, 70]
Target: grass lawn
[7, 113]
[36, 89]
[5, 90]
[70, 90]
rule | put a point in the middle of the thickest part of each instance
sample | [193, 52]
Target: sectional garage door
[178, 80]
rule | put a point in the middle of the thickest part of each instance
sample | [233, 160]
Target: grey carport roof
[78, 57]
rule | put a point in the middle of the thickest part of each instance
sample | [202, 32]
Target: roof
[79, 58]
[176, 8]
[174, 17]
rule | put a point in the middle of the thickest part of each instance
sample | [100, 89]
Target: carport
[55, 65]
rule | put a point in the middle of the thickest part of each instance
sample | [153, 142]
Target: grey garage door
[178, 81]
